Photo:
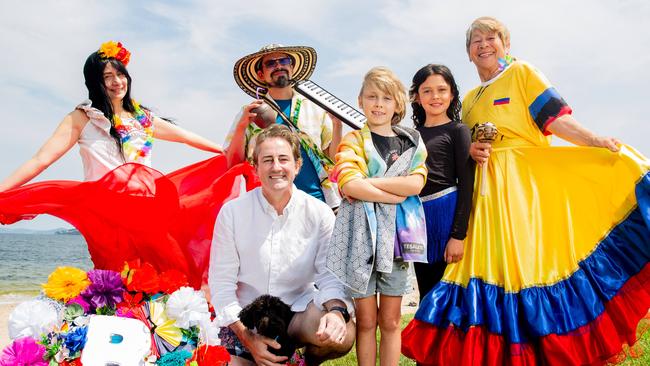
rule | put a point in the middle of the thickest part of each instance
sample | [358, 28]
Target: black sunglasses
[284, 61]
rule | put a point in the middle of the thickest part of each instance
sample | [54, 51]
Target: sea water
[26, 260]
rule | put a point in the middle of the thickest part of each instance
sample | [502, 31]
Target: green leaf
[72, 312]
[105, 310]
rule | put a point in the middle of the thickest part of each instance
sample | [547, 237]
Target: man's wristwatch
[342, 310]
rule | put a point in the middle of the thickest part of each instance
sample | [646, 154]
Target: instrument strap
[315, 154]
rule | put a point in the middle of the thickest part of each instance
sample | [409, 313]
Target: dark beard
[281, 82]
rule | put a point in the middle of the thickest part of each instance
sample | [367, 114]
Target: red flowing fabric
[135, 212]
[597, 343]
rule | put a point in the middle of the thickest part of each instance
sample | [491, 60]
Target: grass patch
[351, 358]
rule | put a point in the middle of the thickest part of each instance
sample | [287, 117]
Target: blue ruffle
[555, 309]
[439, 217]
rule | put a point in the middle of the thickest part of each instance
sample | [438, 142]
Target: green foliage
[105, 310]
[351, 358]
[191, 335]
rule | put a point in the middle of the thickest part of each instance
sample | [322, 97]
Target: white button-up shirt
[255, 251]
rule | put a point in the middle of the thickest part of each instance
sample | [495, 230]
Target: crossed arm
[384, 190]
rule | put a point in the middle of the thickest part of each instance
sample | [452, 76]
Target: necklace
[504, 63]
[132, 153]
[476, 98]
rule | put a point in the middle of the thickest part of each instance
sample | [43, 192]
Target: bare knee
[389, 322]
[366, 322]
[315, 353]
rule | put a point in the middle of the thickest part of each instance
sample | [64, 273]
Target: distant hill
[57, 231]
[67, 232]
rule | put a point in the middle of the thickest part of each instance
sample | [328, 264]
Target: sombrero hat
[245, 70]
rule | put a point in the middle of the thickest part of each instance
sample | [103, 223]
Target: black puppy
[270, 317]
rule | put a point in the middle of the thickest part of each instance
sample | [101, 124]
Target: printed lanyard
[476, 99]
[296, 111]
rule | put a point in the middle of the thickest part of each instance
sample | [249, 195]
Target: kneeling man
[273, 240]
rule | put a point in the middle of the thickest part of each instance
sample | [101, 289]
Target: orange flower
[109, 49]
[112, 49]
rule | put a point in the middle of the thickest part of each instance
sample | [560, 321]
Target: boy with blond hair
[380, 169]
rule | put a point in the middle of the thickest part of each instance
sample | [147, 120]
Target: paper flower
[32, 318]
[130, 302]
[25, 352]
[65, 283]
[176, 358]
[188, 307]
[207, 355]
[172, 280]
[210, 332]
[72, 312]
[75, 339]
[106, 288]
[79, 300]
[75, 362]
[112, 49]
[140, 278]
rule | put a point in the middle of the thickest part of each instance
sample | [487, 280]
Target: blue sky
[594, 52]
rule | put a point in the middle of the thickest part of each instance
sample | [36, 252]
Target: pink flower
[23, 351]
[79, 300]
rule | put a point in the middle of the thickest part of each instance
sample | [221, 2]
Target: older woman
[558, 245]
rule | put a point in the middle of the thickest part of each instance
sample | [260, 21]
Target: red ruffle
[137, 212]
[596, 343]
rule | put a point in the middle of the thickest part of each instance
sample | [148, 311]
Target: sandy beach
[5, 310]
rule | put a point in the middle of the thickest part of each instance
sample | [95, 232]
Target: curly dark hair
[270, 317]
[419, 116]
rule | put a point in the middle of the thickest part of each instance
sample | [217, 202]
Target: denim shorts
[389, 284]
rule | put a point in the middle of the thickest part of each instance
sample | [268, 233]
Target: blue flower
[75, 340]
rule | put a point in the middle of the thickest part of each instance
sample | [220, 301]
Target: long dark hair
[419, 115]
[94, 77]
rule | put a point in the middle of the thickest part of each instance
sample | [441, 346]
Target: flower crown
[115, 50]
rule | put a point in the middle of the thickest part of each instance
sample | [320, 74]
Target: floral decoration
[116, 50]
[23, 351]
[106, 289]
[210, 356]
[188, 307]
[65, 283]
[32, 318]
[177, 316]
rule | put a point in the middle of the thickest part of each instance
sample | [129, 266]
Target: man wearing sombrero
[268, 76]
